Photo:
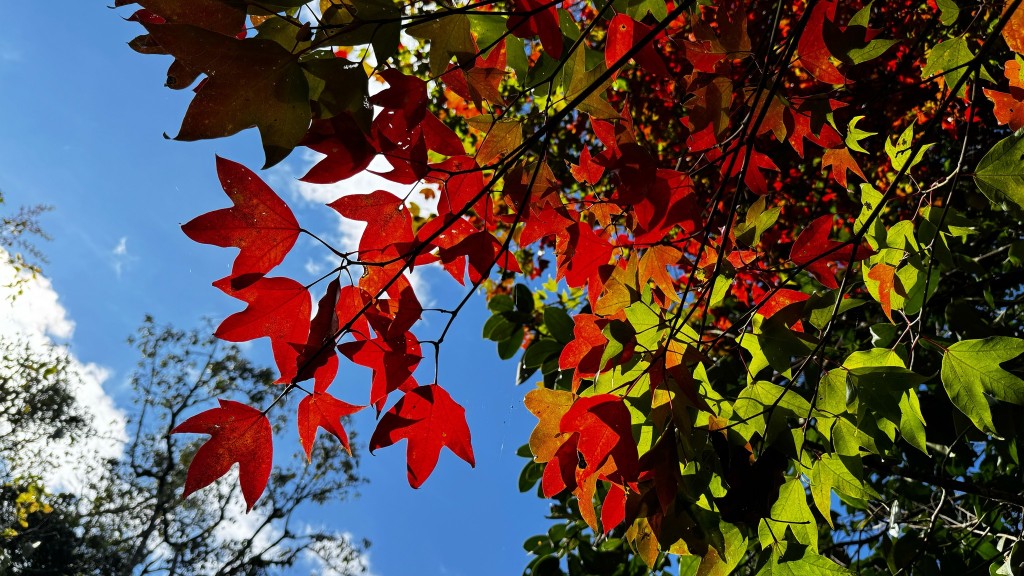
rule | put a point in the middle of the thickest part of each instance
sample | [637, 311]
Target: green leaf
[899, 153]
[578, 79]
[854, 135]
[751, 407]
[558, 323]
[809, 564]
[1000, 174]
[949, 11]
[971, 369]
[449, 36]
[952, 58]
[790, 512]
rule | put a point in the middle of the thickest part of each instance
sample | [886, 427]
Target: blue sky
[82, 117]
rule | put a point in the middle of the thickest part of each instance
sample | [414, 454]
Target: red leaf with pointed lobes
[588, 171]
[605, 437]
[238, 433]
[277, 308]
[347, 150]
[811, 49]
[429, 419]
[543, 22]
[260, 224]
[887, 280]
[482, 251]
[814, 251]
[580, 253]
[841, 162]
[583, 354]
[322, 410]
[388, 221]
[392, 360]
[624, 33]
[1008, 108]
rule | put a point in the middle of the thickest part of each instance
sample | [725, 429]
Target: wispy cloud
[120, 258]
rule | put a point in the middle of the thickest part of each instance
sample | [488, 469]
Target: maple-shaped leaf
[587, 171]
[249, 83]
[815, 252]
[449, 36]
[322, 410]
[501, 137]
[583, 353]
[260, 224]
[841, 162]
[1013, 32]
[1009, 107]
[813, 53]
[537, 18]
[392, 360]
[429, 419]
[753, 177]
[888, 281]
[347, 151]
[238, 433]
[388, 221]
[278, 308]
[580, 253]
[548, 406]
[624, 34]
[482, 251]
[654, 265]
[605, 437]
[578, 79]
[481, 81]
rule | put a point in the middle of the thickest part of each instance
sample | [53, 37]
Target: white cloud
[37, 318]
[120, 257]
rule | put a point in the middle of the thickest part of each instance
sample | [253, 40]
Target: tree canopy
[764, 259]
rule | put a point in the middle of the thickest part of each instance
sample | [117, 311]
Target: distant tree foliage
[130, 519]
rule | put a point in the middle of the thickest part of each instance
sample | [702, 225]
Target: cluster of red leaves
[646, 215]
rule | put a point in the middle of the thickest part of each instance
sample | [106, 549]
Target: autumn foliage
[747, 213]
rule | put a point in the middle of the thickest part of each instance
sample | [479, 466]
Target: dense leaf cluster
[782, 327]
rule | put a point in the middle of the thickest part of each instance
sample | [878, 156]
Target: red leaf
[238, 433]
[887, 280]
[429, 419]
[482, 251]
[841, 162]
[560, 471]
[588, 171]
[613, 510]
[814, 55]
[348, 151]
[543, 22]
[260, 223]
[277, 308]
[624, 33]
[605, 437]
[814, 251]
[580, 253]
[393, 360]
[388, 222]
[1009, 107]
[321, 410]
